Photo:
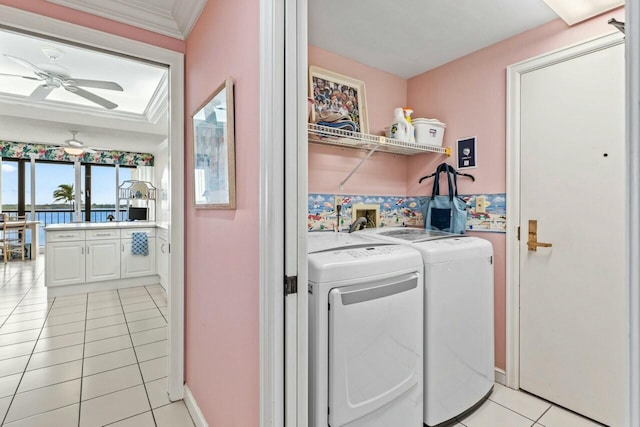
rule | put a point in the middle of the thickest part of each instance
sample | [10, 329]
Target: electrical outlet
[337, 201]
[481, 204]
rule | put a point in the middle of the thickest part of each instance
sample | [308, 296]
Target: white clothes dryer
[458, 314]
[365, 333]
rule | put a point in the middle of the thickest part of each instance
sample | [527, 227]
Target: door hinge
[518, 233]
[290, 285]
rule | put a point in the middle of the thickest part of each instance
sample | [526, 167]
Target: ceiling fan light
[575, 11]
[73, 151]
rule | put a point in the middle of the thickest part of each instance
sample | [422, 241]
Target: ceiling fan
[56, 76]
[73, 146]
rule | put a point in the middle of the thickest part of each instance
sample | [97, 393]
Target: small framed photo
[466, 151]
[338, 101]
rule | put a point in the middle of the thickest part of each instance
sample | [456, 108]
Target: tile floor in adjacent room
[510, 408]
[85, 360]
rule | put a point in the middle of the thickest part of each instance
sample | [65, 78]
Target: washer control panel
[371, 251]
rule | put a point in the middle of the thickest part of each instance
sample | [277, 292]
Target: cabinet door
[137, 265]
[65, 264]
[162, 263]
[103, 260]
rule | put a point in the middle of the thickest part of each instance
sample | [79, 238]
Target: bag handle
[453, 186]
[435, 190]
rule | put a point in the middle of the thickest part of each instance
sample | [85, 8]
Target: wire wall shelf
[342, 138]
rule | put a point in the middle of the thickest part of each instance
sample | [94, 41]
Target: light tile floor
[84, 360]
[510, 408]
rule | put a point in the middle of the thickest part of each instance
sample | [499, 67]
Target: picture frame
[214, 180]
[337, 99]
[467, 153]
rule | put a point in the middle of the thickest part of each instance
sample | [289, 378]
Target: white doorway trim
[271, 214]
[514, 74]
[632, 10]
[19, 19]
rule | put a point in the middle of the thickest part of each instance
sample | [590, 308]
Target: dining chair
[14, 230]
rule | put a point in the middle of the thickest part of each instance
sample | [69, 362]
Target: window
[9, 185]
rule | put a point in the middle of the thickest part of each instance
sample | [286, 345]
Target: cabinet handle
[82, 251]
[123, 247]
[63, 236]
[103, 234]
[88, 250]
[162, 248]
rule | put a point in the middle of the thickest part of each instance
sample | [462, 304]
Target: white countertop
[100, 225]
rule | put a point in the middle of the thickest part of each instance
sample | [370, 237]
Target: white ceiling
[413, 36]
[139, 123]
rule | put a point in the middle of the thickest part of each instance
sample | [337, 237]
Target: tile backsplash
[401, 211]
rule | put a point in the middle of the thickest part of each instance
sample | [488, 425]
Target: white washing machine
[459, 329]
[365, 333]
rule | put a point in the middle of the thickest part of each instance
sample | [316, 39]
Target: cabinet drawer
[103, 234]
[65, 235]
[126, 233]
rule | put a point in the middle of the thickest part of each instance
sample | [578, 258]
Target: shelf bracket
[369, 154]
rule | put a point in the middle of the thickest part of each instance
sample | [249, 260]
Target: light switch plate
[481, 204]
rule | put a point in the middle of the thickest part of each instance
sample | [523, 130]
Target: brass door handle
[532, 242]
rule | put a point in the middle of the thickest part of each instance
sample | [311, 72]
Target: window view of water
[47, 217]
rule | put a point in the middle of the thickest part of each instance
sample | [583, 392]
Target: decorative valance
[22, 150]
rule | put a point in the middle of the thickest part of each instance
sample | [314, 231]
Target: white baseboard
[501, 377]
[194, 409]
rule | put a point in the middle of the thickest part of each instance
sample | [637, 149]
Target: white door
[572, 295]
[137, 265]
[103, 260]
[65, 263]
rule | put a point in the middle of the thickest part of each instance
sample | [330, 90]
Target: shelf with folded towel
[344, 138]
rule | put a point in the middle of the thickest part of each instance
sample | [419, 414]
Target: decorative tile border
[399, 211]
[22, 150]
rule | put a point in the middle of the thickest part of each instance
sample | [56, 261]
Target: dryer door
[375, 345]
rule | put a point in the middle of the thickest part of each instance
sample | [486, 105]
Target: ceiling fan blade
[92, 97]
[26, 64]
[98, 84]
[40, 93]
[89, 150]
[18, 75]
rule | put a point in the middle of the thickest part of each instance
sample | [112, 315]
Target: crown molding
[177, 21]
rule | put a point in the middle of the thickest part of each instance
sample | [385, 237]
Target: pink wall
[222, 258]
[62, 13]
[382, 174]
[469, 95]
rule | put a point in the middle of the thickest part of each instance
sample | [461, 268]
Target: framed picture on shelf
[338, 101]
[214, 177]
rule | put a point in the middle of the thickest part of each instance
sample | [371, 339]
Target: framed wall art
[466, 152]
[338, 101]
[214, 151]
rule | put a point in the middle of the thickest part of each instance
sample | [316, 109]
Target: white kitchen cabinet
[137, 265]
[102, 260]
[98, 254]
[162, 263]
[65, 263]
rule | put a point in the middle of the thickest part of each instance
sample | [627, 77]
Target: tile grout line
[84, 343]
[4, 418]
[146, 392]
[156, 304]
[514, 411]
[540, 417]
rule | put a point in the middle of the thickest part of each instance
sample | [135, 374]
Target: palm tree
[64, 194]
